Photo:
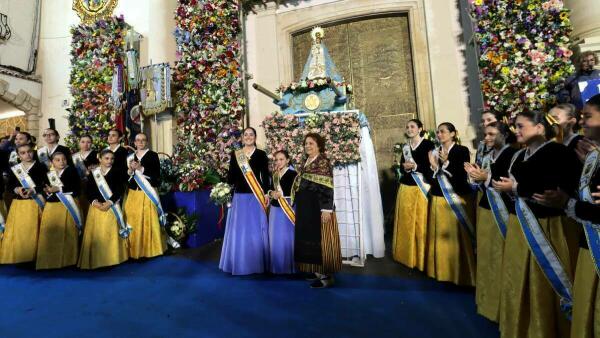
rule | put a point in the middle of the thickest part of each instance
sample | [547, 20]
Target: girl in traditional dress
[58, 244]
[487, 117]
[586, 210]
[282, 216]
[104, 238]
[20, 237]
[492, 222]
[84, 161]
[450, 233]
[530, 304]
[120, 152]
[566, 116]
[410, 223]
[143, 210]
[317, 240]
[51, 137]
[246, 243]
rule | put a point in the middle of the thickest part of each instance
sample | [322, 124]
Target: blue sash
[67, 200]
[151, 193]
[418, 177]
[456, 205]
[499, 210]
[124, 228]
[545, 255]
[27, 183]
[592, 231]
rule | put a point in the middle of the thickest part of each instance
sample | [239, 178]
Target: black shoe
[322, 283]
[311, 277]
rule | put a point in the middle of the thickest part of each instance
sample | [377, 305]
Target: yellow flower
[505, 71]
[564, 16]
[478, 2]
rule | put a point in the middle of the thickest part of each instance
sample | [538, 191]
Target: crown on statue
[317, 32]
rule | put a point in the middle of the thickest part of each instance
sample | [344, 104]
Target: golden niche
[90, 11]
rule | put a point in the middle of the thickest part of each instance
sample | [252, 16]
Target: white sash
[592, 231]
[27, 183]
[150, 192]
[417, 176]
[66, 199]
[43, 156]
[124, 228]
[78, 160]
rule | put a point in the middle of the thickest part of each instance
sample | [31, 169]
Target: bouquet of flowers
[168, 176]
[397, 156]
[179, 225]
[221, 193]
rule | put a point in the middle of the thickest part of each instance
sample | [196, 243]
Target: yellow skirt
[147, 238]
[573, 233]
[489, 265]
[58, 244]
[450, 256]
[19, 242]
[586, 299]
[101, 245]
[529, 307]
[410, 227]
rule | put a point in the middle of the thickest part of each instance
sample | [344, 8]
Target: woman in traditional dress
[51, 137]
[317, 240]
[282, 217]
[450, 233]
[492, 222]
[19, 241]
[58, 244]
[246, 244]
[104, 242]
[586, 210]
[143, 210]
[84, 161]
[410, 223]
[529, 304]
[120, 152]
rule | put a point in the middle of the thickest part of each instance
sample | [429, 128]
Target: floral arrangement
[524, 53]
[180, 224]
[221, 193]
[209, 99]
[306, 85]
[95, 51]
[340, 130]
[168, 176]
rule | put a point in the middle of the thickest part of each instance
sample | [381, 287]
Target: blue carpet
[178, 297]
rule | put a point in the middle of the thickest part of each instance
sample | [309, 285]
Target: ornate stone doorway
[374, 54]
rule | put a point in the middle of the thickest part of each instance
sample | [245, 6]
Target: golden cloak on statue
[90, 11]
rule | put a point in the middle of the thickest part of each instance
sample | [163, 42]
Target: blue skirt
[281, 240]
[246, 244]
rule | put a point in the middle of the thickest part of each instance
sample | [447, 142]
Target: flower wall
[524, 53]
[95, 50]
[340, 130]
[209, 99]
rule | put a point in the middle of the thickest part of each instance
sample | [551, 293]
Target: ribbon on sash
[592, 231]
[250, 178]
[285, 206]
[455, 203]
[124, 228]
[417, 176]
[150, 192]
[545, 255]
[27, 183]
[67, 200]
[44, 157]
